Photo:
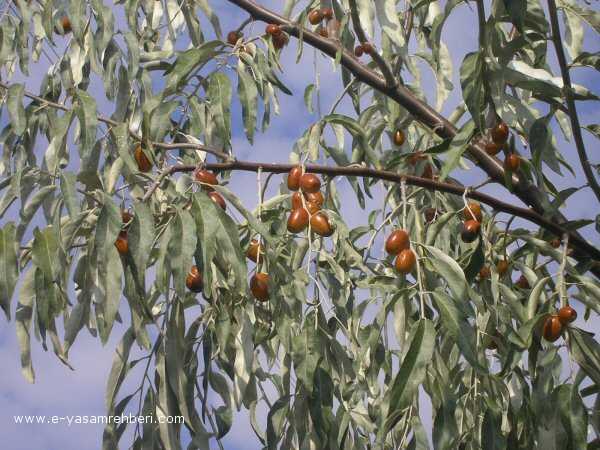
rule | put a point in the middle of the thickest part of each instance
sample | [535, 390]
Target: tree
[288, 309]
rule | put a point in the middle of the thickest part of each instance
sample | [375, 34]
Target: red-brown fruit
[315, 197]
[293, 180]
[253, 250]
[405, 261]
[312, 207]
[359, 51]
[280, 41]
[552, 328]
[566, 315]
[414, 158]
[492, 149]
[522, 282]
[470, 230]
[315, 17]
[399, 138]
[273, 30]
[206, 177]
[492, 345]
[430, 214]
[298, 220]
[310, 183]
[485, 273]
[297, 200]
[472, 212]
[555, 243]
[502, 267]
[500, 133]
[323, 31]
[126, 217]
[218, 199]
[122, 243]
[193, 280]
[368, 48]
[259, 286]
[143, 162]
[512, 162]
[428, 172]
[319, 223]
[233, 37]
[327, 13]
[397, 241]
[65, 23]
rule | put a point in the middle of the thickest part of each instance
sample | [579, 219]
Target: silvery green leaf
[23, 323]
[458, 146]
[411, 373]
[591, 17]
[574, 32]
[8, 265]
[219, 91]
[16, 110]
[244, 358]
[248, 95]
[88, 121]
[186, 62]
[471, 80]
[387, 16]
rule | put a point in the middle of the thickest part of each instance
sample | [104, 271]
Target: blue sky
[62, 392]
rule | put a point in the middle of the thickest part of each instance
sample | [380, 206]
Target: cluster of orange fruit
[502, 268]
[497, 139]
[555, 324]
[317, 16]
[398, 244]
[307, 201]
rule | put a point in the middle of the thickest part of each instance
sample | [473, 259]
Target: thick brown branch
[367, 172]
[568, 93]
[135, 136]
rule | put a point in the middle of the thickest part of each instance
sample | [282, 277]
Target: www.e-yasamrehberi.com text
[95, 420]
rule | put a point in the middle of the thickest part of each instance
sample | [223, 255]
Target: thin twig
[135, 136]
[386, 70]
[568, 94]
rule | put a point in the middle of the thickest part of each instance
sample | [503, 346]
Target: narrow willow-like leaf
[8, 266]
[16, 110]
[411, 373]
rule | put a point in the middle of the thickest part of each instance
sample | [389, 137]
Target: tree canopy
[118, 204]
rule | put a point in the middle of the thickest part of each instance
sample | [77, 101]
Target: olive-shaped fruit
[405, 261]
[397, 241]
[259, 286]
[193, 280]
[298, 220]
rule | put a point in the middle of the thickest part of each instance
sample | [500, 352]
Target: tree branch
[386, 70]
[528, 193]
[568, 94]
[135, 136]
[367, 172]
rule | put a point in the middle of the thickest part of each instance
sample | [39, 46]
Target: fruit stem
[404, 201]
[261, 193]
[562, 286]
